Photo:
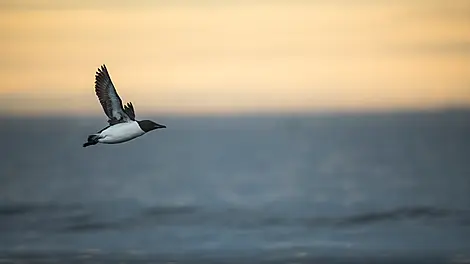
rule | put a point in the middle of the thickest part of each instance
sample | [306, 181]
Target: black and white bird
[122, 123]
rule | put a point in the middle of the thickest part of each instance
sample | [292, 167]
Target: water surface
[253, 189]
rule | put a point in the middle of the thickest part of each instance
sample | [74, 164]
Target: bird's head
[148, 125]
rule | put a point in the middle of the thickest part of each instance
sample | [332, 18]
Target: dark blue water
[276, 189]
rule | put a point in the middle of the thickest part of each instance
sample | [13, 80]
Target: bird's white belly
[120, 133]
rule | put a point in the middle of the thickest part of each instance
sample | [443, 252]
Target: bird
[122, 126]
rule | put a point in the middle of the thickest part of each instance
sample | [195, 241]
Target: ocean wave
[82, 218]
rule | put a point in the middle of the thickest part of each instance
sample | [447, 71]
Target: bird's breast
[121, 132]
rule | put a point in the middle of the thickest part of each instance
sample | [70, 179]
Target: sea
[288, 188]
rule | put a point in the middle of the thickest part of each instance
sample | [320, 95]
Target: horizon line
[404, 110]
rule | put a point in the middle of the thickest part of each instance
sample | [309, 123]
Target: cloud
[129, 4]
[461, 48]
[85, 4]
[446, 10]
[126, 4]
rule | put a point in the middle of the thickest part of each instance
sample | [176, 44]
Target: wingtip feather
[101, 69]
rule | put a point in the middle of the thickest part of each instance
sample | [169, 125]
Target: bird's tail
[92, 140]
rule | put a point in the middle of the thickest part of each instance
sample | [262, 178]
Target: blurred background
[297, 131]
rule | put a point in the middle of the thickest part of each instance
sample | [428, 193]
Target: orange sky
[235, 56]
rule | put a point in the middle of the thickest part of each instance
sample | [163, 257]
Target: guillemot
[122, 123]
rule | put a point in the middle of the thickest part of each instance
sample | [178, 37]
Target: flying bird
[122, 123]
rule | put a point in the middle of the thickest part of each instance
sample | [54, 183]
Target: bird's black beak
[160, 126]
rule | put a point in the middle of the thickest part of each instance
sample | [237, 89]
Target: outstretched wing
[129, 110]
[109, 98]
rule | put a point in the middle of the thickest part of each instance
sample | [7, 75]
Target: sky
[209, 56]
